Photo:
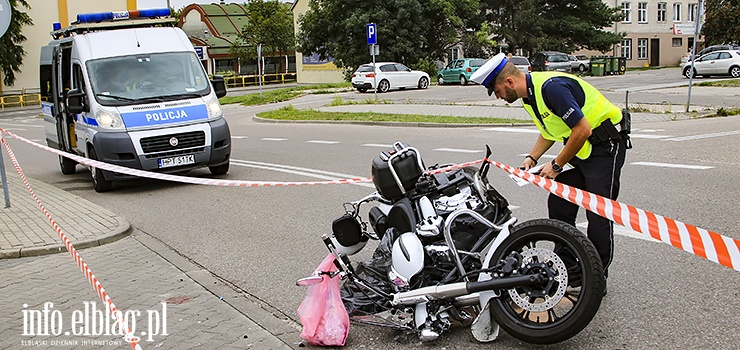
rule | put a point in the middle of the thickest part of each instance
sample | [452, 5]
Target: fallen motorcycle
[450, 253]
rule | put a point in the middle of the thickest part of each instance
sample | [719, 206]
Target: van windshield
[128, 80]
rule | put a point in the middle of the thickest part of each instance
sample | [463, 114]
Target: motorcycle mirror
[309, 281]
[483, 171]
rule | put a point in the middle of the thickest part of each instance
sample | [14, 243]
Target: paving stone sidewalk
[137, 279]
[25, 230]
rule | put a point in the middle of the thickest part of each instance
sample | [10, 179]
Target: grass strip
[722, 83]
[292, 114]
[285, 94]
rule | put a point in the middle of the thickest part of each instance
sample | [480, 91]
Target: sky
[179, 4]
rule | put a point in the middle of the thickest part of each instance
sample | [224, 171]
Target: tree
[566, 25]
[11, 48]
[477, 43]
[270, 24]
[409, 31]
[720, 25]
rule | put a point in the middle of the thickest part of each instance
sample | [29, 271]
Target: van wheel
[68, 166]
[219, 169]
[100, 184]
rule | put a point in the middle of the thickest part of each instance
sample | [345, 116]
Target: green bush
[427, 65]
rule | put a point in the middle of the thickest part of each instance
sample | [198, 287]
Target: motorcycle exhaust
[453, 290]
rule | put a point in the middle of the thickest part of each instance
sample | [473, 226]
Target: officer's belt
[604, 134]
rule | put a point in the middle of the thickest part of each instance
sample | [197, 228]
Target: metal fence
[20, 98]
[251, 80]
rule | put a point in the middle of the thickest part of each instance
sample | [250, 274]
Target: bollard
[4, 181]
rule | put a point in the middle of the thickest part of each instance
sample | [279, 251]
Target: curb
[404, 124]
[124, 230]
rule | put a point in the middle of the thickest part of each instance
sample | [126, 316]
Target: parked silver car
[551, 61]
[579, 63]
[723, 62]
[522, 63]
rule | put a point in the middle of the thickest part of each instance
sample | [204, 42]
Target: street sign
[372, 33]
[5, 15]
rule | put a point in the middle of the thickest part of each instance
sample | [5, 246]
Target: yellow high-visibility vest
[596, 109]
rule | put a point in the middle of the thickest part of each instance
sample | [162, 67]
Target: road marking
[315, 173]
[671, 165]
[273, 139]
[24, 126]
[543, 156]
[238, 137]
[519, 130]
[648, 136]
[623, 231]
[376, 145]
[323, 142]
[649, 130]
[457, 150]
[704, 136]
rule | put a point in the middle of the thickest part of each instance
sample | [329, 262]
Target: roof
[223, 22]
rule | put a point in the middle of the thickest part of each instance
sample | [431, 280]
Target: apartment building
[658, 32]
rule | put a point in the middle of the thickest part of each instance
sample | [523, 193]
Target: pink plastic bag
[323, 316]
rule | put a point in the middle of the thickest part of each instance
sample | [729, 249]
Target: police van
[127, 88]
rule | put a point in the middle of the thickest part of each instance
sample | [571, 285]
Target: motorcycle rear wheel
[550, 314]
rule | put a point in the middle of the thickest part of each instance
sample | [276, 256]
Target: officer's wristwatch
[555, 167]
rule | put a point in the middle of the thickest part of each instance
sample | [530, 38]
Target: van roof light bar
[99, 21]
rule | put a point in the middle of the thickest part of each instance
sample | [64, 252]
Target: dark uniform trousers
[599, 174]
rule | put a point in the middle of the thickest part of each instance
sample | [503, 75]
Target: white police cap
[487, 73]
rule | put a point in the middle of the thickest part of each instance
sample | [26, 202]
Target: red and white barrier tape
[201, 181]
[706, 244]
[84, 268]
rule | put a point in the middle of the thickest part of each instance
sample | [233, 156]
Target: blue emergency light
[120, 15]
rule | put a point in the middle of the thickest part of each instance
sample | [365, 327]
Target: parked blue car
[459, 70]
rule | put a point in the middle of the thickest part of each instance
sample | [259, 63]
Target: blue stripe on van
[164, 116]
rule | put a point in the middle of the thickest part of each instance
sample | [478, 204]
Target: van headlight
[109, 119]
[214, 108]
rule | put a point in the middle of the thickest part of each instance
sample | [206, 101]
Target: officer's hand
[527, 164]
[547, 171]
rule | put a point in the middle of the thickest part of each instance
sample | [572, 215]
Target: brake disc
[541, 300]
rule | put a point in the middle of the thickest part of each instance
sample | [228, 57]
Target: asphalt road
[263, 239]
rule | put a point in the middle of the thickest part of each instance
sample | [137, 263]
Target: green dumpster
[597, 66]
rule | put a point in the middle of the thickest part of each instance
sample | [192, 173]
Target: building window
[677, 42]
[661, 11]
[677, 12]
[642, 49]
[626, 12]
[627, 48]
[642, 12]
[454, 53]
[691, 14]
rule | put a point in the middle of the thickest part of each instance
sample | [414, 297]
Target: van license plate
[176, 161]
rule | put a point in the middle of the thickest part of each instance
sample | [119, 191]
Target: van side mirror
[219, 86]
[77, 101]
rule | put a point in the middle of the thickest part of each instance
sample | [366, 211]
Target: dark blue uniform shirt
[562, 95]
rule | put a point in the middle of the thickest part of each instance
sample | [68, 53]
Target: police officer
[567, 109]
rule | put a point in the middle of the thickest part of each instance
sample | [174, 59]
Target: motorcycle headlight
[109, 119]
[214, 108]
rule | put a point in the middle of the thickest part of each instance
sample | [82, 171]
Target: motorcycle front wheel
[565, 304]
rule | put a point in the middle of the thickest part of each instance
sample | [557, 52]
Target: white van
[132, 92]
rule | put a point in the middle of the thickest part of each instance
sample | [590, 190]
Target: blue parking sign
[372, 33]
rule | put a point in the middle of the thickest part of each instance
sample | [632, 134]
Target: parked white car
[723, 62]
[388, 75]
